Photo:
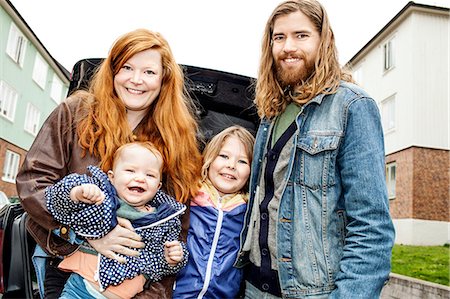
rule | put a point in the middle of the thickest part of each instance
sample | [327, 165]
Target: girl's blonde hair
[270, 99]
[215, 145]
[170, 124]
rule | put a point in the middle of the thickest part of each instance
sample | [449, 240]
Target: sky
[216, 34]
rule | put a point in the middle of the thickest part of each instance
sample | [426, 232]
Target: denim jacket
[334, 199]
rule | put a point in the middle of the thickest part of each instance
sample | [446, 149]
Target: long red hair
[170, 124]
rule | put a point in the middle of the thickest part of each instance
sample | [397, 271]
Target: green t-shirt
[284, 120]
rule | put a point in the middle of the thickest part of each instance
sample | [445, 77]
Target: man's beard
[292, 77]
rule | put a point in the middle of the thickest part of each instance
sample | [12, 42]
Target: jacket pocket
[342, 226]
[316, 159]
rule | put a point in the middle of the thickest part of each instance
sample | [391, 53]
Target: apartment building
[32, 84]
[405, 68]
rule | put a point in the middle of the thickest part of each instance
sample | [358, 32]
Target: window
[390, 179]
[388, 114]
[358, 76]
[32, 119]
[17, 44]
[11, 166]
[40, 71]
[388, 50]
[8, 100]
[56, 89]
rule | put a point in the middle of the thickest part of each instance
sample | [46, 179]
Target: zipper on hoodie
[213, 250]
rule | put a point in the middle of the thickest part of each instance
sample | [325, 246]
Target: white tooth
[134, 91]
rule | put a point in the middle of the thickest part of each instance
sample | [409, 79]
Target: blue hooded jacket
[213, 243]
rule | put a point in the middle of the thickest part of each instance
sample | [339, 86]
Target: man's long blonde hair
[270, 98]
[170, 124]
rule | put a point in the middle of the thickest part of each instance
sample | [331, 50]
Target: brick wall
[9, 188]
[422, 184]
[402, 205]
[431, 184]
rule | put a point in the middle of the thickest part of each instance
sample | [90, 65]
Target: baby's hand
[173, 252]
[87, 193]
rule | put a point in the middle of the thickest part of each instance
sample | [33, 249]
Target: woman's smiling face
[138, 82]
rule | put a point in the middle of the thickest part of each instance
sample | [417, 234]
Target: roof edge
[402, 13]
[22, 24]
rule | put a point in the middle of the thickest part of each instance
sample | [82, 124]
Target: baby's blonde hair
[145, 144]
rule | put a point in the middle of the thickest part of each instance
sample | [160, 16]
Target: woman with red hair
[136, 94]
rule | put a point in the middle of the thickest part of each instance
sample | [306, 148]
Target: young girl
[216, 218]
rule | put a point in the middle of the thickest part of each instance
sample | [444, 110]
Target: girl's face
[138, 82]
[230, 170]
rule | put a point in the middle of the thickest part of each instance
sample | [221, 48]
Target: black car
[221, 99]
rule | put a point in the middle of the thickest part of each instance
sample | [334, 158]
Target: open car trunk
[221, 100]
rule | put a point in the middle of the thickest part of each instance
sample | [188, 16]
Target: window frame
[391, 183]
[17, 45]
[32, 119]
[8, 101]
[10, 166]
[358, 75]
[40, 71]
[388, 114]
[56, 89]
[388, 55]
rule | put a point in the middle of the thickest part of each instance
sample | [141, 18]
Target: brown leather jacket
[54, 154]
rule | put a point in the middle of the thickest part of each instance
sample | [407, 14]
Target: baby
[91, 205]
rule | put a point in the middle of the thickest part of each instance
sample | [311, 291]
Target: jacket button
[265, 286]
[264, 251]
[263, 216]
[315, 143]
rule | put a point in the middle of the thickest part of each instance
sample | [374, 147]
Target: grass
[430, 263]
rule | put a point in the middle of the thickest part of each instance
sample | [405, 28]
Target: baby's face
[136, 175]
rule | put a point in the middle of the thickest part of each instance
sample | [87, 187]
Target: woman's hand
[119, 240]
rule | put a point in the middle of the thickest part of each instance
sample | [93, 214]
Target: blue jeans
[78, 288]
[252, 292]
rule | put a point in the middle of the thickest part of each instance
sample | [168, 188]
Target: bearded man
[318, 222]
